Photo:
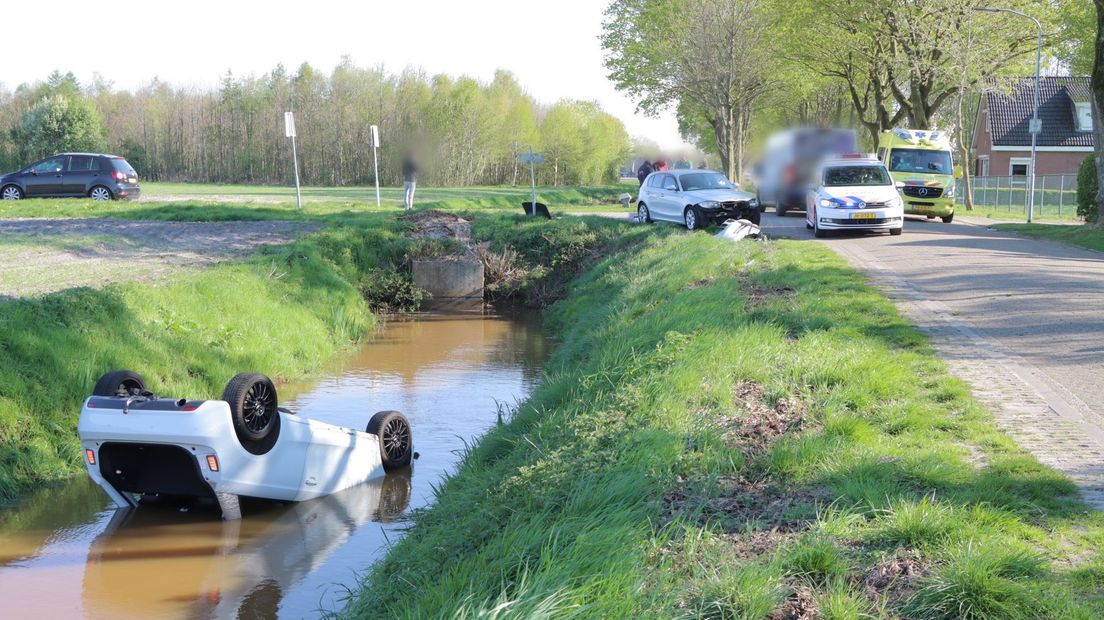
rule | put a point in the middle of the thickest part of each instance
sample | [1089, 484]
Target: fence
[1055, 194]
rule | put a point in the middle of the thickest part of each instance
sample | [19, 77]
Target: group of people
[661, 165]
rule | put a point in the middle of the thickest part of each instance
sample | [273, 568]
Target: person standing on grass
[643, 172]
[410, 180]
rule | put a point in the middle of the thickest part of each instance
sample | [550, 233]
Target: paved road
[1022, 320]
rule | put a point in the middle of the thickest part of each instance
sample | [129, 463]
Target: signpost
[532, 159]
[289, 131]
[375, 159]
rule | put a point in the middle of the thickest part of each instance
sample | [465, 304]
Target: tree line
[737, 70]
[467, 132]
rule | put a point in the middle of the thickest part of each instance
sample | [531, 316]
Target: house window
[1083, 116]
[1019, 167]
[982, 169]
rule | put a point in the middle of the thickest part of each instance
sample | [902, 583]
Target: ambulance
[921, 164]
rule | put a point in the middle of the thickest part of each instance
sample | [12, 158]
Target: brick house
[1002, 144]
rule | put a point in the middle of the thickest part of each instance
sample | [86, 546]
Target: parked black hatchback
[92, 175]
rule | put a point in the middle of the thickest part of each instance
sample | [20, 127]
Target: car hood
[720, 195]
[851, 196]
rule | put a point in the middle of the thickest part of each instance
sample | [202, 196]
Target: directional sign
[289, 125]
[1035, 125]
[531, 158]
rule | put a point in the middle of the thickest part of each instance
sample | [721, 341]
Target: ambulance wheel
[119, 383]
[253, 409]
[948, 219]
[395, 439]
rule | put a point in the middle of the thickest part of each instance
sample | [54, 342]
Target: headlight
[949, 192]
[824, 202]
[709, 204]
[894, 202]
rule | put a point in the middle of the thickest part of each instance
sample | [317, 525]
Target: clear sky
[552, 47]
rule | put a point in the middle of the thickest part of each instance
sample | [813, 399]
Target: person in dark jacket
[643, 172]
[410, 180]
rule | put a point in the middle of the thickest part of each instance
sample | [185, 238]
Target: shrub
[1087, 188]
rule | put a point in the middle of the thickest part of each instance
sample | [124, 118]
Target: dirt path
[1019, 319]
[40, 256]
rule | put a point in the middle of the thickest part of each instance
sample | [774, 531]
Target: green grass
[1068, 214]
[202, 202]
[641, 480]
[1084, 236]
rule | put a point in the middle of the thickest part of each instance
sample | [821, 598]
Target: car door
[45, 178]
[79, 174]
[671, 203]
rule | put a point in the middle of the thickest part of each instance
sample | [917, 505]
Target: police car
[854, 192]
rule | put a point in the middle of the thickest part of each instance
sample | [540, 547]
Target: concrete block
[449, 279]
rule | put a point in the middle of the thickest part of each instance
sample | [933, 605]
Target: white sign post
[375, 159]
[289, 131]
[532, 159]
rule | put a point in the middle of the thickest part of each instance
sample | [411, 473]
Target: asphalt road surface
[1021, 320]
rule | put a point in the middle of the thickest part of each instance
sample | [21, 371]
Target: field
[1083, 236]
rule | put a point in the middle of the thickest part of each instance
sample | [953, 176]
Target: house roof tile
[1010, 107]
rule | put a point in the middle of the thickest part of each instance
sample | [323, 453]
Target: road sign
[531, 158]
[375, 137]
[1035, 125]
[289, 125]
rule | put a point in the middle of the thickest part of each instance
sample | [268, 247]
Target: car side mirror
[34, 172]
[958, 172]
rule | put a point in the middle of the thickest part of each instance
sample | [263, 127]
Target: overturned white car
[139, 445]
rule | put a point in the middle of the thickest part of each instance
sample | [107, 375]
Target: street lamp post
[1035, 126]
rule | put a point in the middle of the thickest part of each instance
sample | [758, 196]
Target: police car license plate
[864, 216]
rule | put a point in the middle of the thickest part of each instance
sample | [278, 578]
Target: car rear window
[122, 165]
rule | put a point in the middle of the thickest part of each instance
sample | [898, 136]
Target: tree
[1098, 108]
[709, 59]
[60, 123]
[1077, 22]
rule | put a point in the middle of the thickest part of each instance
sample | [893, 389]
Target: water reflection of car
[137, 445]
[694, 198]
[155, 562]
[854, 193]
[71, 175]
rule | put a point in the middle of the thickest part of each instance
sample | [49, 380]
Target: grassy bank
[1083, 236]
[284, 311]
[742, 431]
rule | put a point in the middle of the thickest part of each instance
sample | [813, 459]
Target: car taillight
[121, 176]
[90, 455]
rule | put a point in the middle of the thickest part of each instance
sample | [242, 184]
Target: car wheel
[642, 214]
[808, 226]
[948, 219]
[692, 218]
[119, 383]
[99, 193]
[780, 211]
[11, 192]
[896, 232]
[395, 439]
[253, 409]
[755, 217]
[819, 232]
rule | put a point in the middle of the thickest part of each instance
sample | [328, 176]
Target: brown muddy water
[65, 553]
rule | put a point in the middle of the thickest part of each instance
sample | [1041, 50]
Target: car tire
[396, 442]
[755, 217]
[120, 383]
[100, 193]
[896, 232]
[11, 192]
[254, 411]
[819, 232]
[780, 211]
[948, 219]
[808, 226]
[642, 214]
[692, 219]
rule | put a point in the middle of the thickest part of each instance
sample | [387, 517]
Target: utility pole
[1036, 125]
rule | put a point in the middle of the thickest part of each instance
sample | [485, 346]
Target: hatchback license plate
[863, 216]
